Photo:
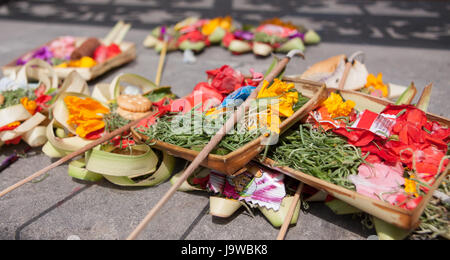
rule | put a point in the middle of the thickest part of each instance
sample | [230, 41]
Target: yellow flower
[337, 107]
[90, 126]
[267, 120]
[214, 112]
[279, 22]
[85, 62]
[30, 105]
[271, 121]
[14, 124]
[211, 26]
[411, 186]
[62, 65]
[286, 98]
[278, 88]
[376, 83]
[186, 22]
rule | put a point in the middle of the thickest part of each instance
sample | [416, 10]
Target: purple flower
[21, 61]
[297, 35]
[8, 162]
[43, 53]
[244, 35]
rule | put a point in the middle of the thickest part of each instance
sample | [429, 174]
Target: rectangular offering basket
[127, 55]
[406, 219]
[233, 162]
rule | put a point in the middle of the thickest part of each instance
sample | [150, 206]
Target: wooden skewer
[69, 157]
[209, 147]
[348, 66]
[288, 219]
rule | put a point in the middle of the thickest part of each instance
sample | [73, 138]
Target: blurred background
[424, 24]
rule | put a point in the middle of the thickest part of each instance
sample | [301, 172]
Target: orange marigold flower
[337, 107]
[279, 22]
[283, 105]
[85, 114]
[376, 83]
[411, 186]
[211, 26]
[14, 124]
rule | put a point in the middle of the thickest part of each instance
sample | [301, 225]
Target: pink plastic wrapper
[216, 182]
[381, 181]
[266, 190]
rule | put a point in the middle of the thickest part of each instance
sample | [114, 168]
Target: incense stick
[161, 62]
[348, 65]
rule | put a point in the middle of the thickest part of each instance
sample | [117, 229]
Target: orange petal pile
[85, 114]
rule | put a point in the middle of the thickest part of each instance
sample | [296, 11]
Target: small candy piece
[189, 57]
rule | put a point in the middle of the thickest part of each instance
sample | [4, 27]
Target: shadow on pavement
[45, 212]
[194, 223]
[424, 24]
[350, 222]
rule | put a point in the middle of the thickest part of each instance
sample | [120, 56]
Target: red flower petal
[113, 50]
[7, 128]
[201, 181]
[226, 41]
[408, 203]
[95, 135]
[194, 36]
[14, 141]
[40, 90]
[356, 137]
[380, 153]
[101, 54]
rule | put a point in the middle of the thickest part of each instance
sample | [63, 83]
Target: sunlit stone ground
[405, 40]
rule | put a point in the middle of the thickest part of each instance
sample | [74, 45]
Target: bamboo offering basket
[127, 55]
[232, 163]
[406, 219]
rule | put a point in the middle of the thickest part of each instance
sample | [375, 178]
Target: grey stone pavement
[405, 40]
